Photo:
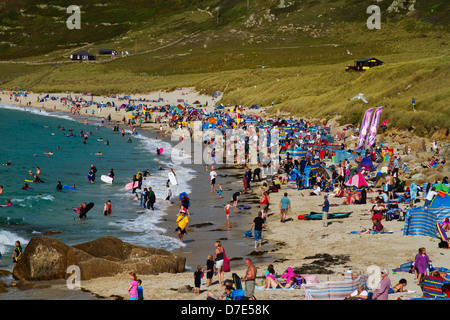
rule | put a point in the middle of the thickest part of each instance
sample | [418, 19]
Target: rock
[185, 289]
[47, 258]
[3, 287]
[25, 285]
[4, 273]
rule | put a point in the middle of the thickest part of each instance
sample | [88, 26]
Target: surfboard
[66, 186]
[106, 179]
[89, 206]
[172, 178]
[441, 232]
[130, 185]
[29, 181]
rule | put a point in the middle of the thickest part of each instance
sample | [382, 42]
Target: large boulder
[47, 258]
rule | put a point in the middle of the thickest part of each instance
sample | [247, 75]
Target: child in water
[219, 191]
[227, 209]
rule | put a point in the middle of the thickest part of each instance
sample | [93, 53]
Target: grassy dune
[222, 46]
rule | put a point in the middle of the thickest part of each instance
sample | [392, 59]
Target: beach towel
[262, 288]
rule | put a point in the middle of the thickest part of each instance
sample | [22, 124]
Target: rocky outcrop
[47, 258]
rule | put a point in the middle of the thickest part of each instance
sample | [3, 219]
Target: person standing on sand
[325, 209]
[390, 185]
[182, 222]
[212, 179]
[258, 225]
[218, 258]
[133, 287]
[382, 289]
[285, 207]
[249, 279]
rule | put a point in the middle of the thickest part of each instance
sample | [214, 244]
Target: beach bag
[443, 244]
[311, 279]
[226, 263]
[248, 233]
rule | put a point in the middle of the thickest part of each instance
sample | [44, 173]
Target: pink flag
[364, 128]
[374, 127]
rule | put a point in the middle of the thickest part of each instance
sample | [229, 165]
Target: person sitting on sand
[377, 227]
[224, 296]
[446, 224]
[358, 294]
[316, 191]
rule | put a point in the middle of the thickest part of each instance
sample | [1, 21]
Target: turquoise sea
[27, 134]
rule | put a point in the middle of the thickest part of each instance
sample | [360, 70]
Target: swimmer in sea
[26, 187]
[8, 203]
[9, 163]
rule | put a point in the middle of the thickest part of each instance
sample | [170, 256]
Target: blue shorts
[257, 235]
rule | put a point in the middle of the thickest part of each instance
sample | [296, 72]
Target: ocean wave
[36, 111]
[29, 201]
[7, 240]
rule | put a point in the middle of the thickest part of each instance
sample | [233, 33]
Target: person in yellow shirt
[182, 222]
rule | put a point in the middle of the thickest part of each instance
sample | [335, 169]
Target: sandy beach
[306, 245]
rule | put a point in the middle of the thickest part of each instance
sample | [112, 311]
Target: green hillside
[293, 53]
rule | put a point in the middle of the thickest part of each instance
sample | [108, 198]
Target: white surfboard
[106, 179]
[172, 178]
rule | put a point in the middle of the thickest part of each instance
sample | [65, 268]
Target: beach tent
[212, 120]
[442, 187]
[366, 164]
[357, 181]
[442, 199]
[419, 221]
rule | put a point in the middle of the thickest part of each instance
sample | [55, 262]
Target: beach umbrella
[357, 181]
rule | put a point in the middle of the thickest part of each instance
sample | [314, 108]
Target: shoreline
[299, 244]
[199, 237]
